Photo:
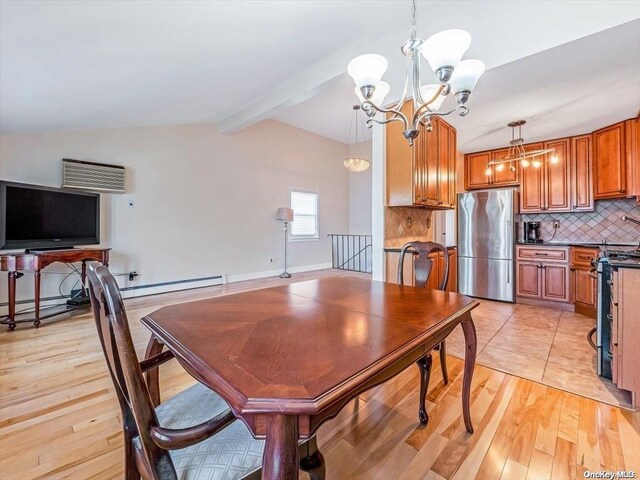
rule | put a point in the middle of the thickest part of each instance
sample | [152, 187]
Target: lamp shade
[466, 75]
[285, 215]
[428, 91]
[381, 91]
[367, 69]
[446, 48]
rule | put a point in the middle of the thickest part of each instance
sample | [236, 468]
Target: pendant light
[351, 163]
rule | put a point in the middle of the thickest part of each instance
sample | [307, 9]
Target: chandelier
[355, 164]
[517, 153]
[444, 52]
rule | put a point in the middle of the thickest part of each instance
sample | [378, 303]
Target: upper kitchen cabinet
[477, 175]
[475, 165]
[610, 162]
[581, 169]
[422, 175]
[632, 137]
[556, 170]
[547, 188]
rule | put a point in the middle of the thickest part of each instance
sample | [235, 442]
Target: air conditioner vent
[92, 176]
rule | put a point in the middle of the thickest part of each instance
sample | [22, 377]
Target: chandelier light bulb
[367, 69]
[499, 167]
[466, 75]
[554, 159]
[446, 48]
[525, 163]
[381, 91]
[536, 163]
[513, 169]
[488, 171]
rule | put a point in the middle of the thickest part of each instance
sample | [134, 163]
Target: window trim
[305, 238]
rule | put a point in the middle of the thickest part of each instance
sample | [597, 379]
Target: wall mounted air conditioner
[85, 175]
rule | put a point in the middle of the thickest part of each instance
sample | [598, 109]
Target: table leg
[36, 281]
[280, 460]
[424, 364]
[471, 347]
[12, 300]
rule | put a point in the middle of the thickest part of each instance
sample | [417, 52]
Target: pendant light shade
[353, 163]
[446, 48]
[356, 164]
[466, 75]
[367, 69]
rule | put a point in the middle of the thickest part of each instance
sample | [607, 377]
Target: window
[305, 215]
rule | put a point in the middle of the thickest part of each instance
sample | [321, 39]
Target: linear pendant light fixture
[517, 153]
[355, 164]
[444, 52]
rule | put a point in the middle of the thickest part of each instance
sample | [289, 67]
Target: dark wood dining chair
[422, 268]
[192, 436]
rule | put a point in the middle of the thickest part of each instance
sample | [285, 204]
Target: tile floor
[540, 344]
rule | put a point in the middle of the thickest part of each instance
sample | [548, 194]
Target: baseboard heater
[126, 289]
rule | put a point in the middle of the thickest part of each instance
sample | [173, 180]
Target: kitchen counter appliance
[608, 261]
[486, 244]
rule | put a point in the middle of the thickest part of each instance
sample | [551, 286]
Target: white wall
[360, 192]
[205, 203]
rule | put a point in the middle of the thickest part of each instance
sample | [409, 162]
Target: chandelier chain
[412, 32]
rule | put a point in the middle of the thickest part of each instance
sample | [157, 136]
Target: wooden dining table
[288, 358]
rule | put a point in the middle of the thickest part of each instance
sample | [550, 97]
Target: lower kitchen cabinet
[528, 280]
[555, 282]
[542, 274]
[584, 282]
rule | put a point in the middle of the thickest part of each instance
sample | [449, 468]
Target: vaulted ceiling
[565, 66]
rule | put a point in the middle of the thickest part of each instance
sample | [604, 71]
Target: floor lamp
[285, 215]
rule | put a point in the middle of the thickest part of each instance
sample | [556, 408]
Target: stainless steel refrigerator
[486, 244]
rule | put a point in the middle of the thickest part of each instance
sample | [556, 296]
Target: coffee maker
[532, 232]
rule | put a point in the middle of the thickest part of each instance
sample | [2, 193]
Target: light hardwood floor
[59, 417]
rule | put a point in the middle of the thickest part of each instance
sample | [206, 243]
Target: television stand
[36, 261]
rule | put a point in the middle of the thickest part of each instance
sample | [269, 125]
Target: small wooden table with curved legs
[288, 358]
[16, 263]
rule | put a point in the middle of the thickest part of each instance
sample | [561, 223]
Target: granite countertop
[624, 264]
[397, 249]
[580, 244]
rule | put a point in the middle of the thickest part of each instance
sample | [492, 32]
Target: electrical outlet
[556, 224]
[270, 259]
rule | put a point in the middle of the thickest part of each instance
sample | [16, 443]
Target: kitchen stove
[609, 261]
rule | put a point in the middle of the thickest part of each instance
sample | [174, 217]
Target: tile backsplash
[604, 224]
[406, 224]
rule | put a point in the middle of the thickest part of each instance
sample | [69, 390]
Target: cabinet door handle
[541, 254]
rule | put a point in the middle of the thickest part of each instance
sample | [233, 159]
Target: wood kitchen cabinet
[542, 274]
[476, 170]
[547, 188]
[475, 165]
[584, 282]
[582, 177]
[422, 175]
[610, 162]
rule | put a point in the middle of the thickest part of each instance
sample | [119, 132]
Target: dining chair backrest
[115, 336]
[422, 264]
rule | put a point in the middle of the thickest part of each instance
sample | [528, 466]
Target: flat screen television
[36, 217]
